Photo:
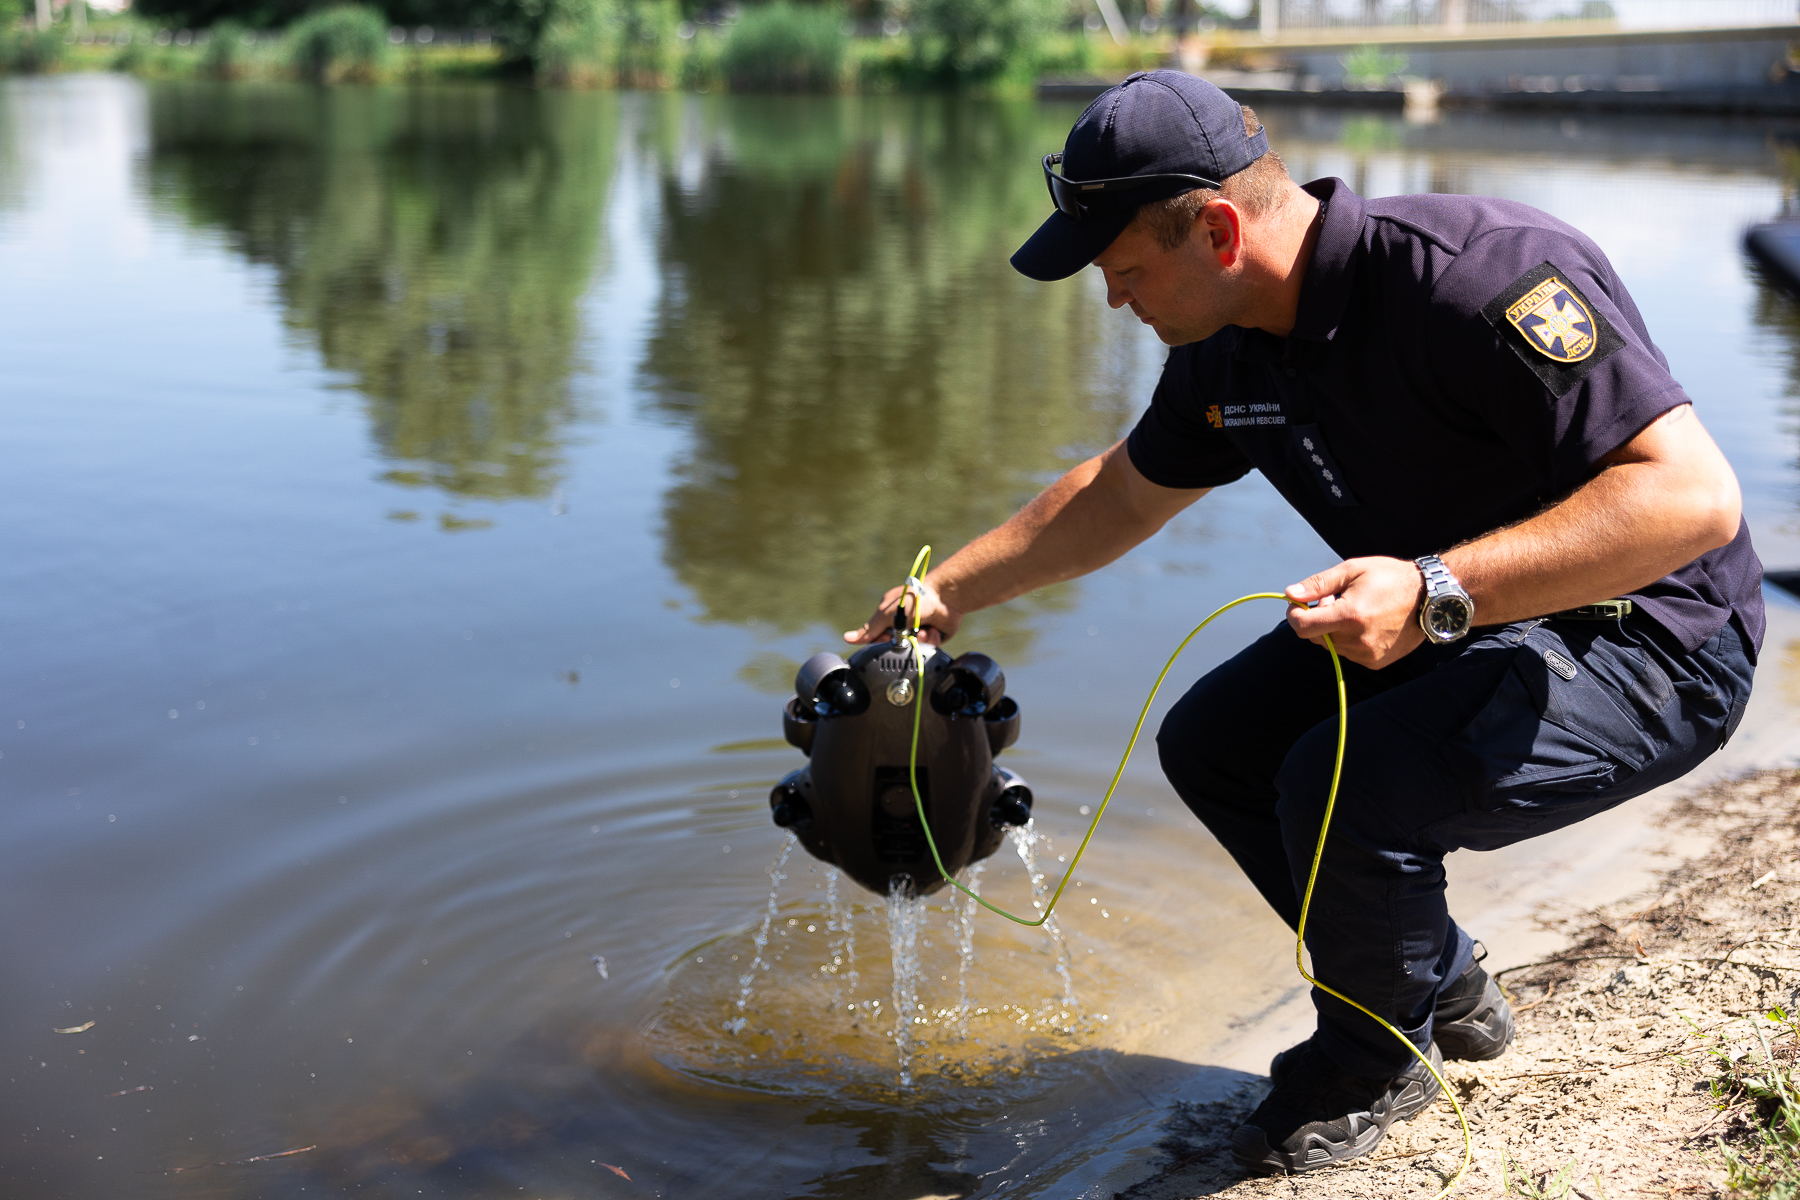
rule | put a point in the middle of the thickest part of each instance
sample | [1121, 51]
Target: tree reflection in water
[861, 369]
[433, 245]
[837, 326]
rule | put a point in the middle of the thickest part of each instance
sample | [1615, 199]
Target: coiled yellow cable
[921, 653]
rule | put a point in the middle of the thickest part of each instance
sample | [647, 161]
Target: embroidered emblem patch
[1555, 330]
[1554, 321]
[1214, 419]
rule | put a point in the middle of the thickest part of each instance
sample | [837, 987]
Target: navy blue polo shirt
[1457, 363]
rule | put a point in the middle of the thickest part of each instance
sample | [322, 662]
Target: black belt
[1605, 610]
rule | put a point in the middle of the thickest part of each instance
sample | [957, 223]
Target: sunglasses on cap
[1066, 193]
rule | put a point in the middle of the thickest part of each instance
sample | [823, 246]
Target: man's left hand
[1369, 606]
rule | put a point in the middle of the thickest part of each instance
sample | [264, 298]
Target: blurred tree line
[762, 45]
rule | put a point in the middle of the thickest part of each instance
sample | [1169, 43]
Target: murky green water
[416, 503]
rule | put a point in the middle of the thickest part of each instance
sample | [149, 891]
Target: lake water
[416, 504]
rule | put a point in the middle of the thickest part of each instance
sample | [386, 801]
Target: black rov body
[852, 805]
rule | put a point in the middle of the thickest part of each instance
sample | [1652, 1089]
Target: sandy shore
[1608, 1087]
[1668, 873]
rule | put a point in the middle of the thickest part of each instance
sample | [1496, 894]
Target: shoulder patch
[1552, 327]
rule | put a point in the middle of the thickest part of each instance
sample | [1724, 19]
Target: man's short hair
[1262, 187]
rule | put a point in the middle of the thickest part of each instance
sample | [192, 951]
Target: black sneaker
[1319, 1114]
[1471, 1022]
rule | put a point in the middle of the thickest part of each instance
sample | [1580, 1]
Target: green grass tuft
[1761, 1086]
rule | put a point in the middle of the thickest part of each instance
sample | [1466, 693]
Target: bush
[345, 43]
[1067, 54]
[577, 44]
[134, 55]
[596, 43]
[226, 55]
[702, 67]
[646, 42]
[979, 41]
[782, 47]
[30, 51]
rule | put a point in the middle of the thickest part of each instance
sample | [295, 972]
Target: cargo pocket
[1566, 723]
[1611, 694]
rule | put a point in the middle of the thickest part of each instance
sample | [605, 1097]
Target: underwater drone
[852, 805]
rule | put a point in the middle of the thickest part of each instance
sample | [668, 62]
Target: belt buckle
[1605, 610]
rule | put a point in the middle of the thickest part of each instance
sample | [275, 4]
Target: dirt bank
[1609, 1089]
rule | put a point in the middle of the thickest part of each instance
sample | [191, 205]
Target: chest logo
[1554, 321]
[1214, 419]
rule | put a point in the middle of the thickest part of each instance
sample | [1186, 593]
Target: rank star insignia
[1554, 321]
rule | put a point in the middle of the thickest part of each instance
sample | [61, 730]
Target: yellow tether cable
[921, 653]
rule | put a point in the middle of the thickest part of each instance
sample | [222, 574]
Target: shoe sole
[1251, 1149]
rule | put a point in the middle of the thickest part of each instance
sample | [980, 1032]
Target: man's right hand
[937, 621]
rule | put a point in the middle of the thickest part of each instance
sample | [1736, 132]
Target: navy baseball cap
[1155, 123]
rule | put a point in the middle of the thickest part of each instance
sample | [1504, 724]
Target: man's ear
[1222, 225]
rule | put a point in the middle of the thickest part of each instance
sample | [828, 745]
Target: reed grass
[346, 43]
[783, 47]
[29, 52]
[228, 51]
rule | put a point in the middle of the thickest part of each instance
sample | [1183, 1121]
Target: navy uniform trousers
[1517, 731]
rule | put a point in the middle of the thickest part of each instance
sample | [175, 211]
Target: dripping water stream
[906, 914]
[1028, 839]
[747, 981]
[965, 947]
[840, 949]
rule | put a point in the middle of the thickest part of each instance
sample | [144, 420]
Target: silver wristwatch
[1447, 613]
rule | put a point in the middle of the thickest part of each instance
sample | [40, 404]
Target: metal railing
[1453, 17]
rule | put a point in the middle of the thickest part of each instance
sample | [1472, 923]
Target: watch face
[1449, 616]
